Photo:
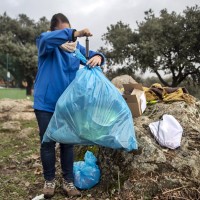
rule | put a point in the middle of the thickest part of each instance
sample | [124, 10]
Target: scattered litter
[167, 131]
[86, 173]
[39, 197]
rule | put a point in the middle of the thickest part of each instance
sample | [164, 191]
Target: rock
[11, 126]
[151, 169]
[151, 154]
[36, 165]
[128, 185]
[151, 172]
[24, 133]
[123, 79]
[21, 116]
[16, 110]
[21, 105]
[188, 165]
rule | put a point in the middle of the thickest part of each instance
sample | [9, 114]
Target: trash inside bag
[167, 131]
[86, 173]
[92, 111]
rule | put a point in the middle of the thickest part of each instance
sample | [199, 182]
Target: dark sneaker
[49, 189]
[70, 190]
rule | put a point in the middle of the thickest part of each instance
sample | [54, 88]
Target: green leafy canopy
[17, 46]
[167, 44]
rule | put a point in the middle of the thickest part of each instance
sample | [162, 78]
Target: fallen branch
[182, 198]
[174, 189]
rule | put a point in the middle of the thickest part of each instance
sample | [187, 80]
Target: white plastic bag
[167, 131]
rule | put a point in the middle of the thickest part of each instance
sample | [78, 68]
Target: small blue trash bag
[86, 173]
[91, 111]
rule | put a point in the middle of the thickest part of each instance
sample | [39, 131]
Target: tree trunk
[29, 86]
[161, 79]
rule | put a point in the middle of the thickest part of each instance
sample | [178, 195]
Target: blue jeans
[47, 151]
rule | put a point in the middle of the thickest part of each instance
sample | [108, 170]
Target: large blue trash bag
[92, 111]
[86, 173]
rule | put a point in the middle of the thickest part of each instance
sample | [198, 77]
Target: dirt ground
[21, 171]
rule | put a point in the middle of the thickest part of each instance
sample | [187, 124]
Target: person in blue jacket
[57, 67]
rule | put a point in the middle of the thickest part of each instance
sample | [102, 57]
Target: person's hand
[94, 61]
[82, 33]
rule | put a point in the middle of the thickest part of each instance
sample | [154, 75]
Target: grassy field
[18, 153]
[20, 167]
[13, 93]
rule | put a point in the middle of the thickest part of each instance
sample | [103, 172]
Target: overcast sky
[93, 14]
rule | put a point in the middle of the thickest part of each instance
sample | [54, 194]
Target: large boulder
[151, 172]
[11, 126]
[155, 172]
[16, 110]
[123, 79]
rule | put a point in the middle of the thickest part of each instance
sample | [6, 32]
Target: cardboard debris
[135, 98]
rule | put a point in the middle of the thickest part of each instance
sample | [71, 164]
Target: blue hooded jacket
[56, 68]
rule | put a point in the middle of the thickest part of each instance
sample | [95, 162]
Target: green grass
[26, 124]
[14, 169]
[18, 179]
[13, 93]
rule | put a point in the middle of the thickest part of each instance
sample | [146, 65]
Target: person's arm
[50, 40]
[92, 54]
